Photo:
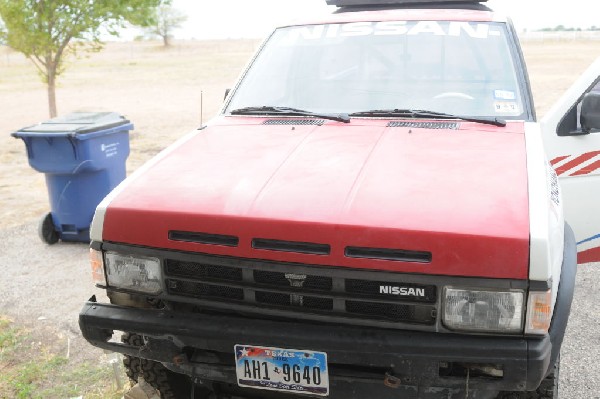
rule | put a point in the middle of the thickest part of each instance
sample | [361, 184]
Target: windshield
[461, 68]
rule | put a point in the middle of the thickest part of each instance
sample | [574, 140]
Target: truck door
[573, 149]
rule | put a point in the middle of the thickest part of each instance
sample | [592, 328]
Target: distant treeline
[562, 28]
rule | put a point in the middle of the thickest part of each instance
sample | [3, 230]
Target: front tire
[171, 385]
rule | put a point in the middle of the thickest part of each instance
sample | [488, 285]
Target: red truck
[371, 215]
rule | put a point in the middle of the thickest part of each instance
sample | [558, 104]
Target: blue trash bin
[83, 157]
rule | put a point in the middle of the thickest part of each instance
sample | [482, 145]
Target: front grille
[375, 310]
[299, 301]
[201, 290]
[281, 279]
[299, 291]
[202, 271]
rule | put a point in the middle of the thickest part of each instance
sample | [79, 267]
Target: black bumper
[202, 346]
[423, 364]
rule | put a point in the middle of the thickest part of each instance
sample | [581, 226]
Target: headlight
[483, 311]
[135, 273]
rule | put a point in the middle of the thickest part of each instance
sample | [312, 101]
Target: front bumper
[423, 364]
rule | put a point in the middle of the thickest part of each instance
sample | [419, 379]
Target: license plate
[284, 370]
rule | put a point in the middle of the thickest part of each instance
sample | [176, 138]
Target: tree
[48, 31]
[2, 33]
[165, 20]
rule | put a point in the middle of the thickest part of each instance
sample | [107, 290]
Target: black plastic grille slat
[410, 292]
[291, 246]
[282, 280]
[204, 238]
[206, 291]
[294, 122]
[380, 310]
[297, 301]
[425, 125]
[400, 255]
[202, 271]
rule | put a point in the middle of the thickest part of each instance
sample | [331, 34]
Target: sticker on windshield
[506, 107]
[505, 95]
[388, 28]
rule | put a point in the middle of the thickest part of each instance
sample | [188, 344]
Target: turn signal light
[539, 312]
[97, 264]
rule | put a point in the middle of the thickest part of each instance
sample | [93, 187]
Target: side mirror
[226, 94]
[590, 112]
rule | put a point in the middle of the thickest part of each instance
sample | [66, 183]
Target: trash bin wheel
[47, 231]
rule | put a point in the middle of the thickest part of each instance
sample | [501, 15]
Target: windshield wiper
[419, 113]
[271, 110]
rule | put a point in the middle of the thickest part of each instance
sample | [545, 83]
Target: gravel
[47, 285]
[44, 287]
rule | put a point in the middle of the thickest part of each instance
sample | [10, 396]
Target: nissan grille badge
[402, 291]
[296, 281]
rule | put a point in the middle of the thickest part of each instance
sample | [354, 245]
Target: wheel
[548, 389]
[171, 385]
[47, 230]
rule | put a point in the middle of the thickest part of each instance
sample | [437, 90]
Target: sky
[255, 18]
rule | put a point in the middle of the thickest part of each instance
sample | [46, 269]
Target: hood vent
[425, 125]
[399, 255]
[291, 246]
[204, 238]
[294, 122]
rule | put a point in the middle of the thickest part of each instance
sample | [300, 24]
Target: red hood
[460, 195]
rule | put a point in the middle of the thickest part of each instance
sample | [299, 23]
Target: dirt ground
[159, 91]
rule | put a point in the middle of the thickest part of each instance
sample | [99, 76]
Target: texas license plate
[285, 370]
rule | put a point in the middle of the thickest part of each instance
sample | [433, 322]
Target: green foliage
[164, 20]
[46, 31]
[10, 338]
[2, 33]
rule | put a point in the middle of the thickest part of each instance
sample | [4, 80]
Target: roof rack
[363, 3]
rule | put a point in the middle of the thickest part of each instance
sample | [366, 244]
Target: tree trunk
[52, 91]
[166, 40]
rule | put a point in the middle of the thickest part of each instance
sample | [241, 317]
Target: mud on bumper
[416, 364]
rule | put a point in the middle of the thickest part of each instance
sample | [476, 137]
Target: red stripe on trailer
[576, 162]
[558, 159]
[589, 255]
[587, 169]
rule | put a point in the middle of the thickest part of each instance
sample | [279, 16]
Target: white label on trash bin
[110, 150]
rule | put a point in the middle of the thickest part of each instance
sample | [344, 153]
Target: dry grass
[35, 363]
[159, 91]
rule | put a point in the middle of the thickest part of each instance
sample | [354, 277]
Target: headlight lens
[135, 273]
[483, 311]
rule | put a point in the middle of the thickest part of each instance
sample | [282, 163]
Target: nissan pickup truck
[376, 212]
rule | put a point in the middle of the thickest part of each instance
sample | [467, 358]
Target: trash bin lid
[76, 123]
